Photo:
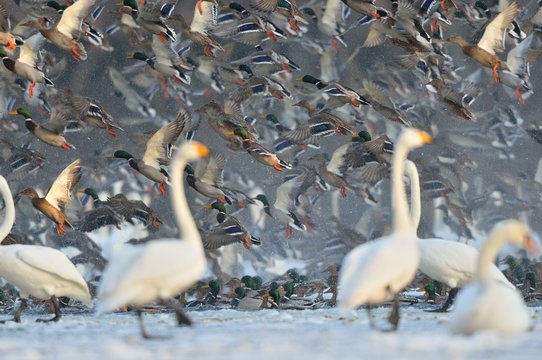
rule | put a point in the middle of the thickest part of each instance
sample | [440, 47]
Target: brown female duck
[58, 196]
[492, 41]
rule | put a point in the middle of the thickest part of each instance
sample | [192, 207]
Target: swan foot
[394, 314]
[17, 317]
[58, 315]
[182, 318]
[144, 333]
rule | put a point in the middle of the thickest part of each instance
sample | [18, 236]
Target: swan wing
[60, 192]
[157, 270]
[51, 261]
[493, 39]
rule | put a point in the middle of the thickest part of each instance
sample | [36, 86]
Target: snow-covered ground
[264, 334]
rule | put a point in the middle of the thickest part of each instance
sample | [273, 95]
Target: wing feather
[60, 192]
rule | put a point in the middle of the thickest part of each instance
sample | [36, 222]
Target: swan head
[193, 151]
[414, 138]
[517, 233]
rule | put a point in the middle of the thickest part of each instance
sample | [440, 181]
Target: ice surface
[264, 334]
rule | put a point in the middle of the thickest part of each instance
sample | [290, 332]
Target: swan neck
[398, 196]
[9, 215]
[488, 254]
[183, 216]
[415, 201]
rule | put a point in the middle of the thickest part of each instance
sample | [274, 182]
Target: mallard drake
[102, 215]
[209, 182]
[151, 17]
[491, 42]
[382, 104]
[57, 197]
[517, 77]
[166, 61]
[225, 120]
[68, 30]
[133, 100]
[253, 30]
[455, 101]
[259, 86]
[134, 209]
[268, 57]
[23, 158]
[228, 231]
[330, 177]
[158, 150]
[47, 134]
[89, 111]
[318, 126]
[373, 156]
[26, 66]
[259, 152]
[338, 93]
[332, 22]
[367, 8]
[205, 18]
[6, 39]
[284, 8]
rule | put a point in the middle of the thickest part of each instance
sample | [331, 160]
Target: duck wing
[60, 192]
[493, 39]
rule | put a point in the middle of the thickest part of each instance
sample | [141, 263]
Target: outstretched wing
[213, 171]
[60, 192]
[493, 39]
[72, 17]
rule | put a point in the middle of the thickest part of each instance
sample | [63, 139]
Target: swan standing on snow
[450, 262]
[161, 268]
[486, 304]
[42, 272]
[375, 272]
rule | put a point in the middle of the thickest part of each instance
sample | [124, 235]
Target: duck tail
[48, 81]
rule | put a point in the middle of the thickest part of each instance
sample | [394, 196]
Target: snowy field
[264, 334]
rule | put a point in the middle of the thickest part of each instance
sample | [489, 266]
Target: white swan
[42, 272]
[450, 262]
[161, 268]
[376, 271]
[486, 304]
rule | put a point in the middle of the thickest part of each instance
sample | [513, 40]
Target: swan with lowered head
[450, 262]
[162, 268]
[42, 272]
[486, 304]
[375, 272]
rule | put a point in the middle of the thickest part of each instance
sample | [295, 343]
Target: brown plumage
[58, 196]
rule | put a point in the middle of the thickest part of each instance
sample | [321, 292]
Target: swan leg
[144, 333]
[394, 314]
[371, 320]
[20, 309]
[182, 318]
[58, 315]
[447, 303]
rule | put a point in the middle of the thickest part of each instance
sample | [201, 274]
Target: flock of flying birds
[306, 106]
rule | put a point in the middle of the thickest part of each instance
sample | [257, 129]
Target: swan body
[42, 272]
[450, 262]
[487, 304]
[376, 271]
[161, 268]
